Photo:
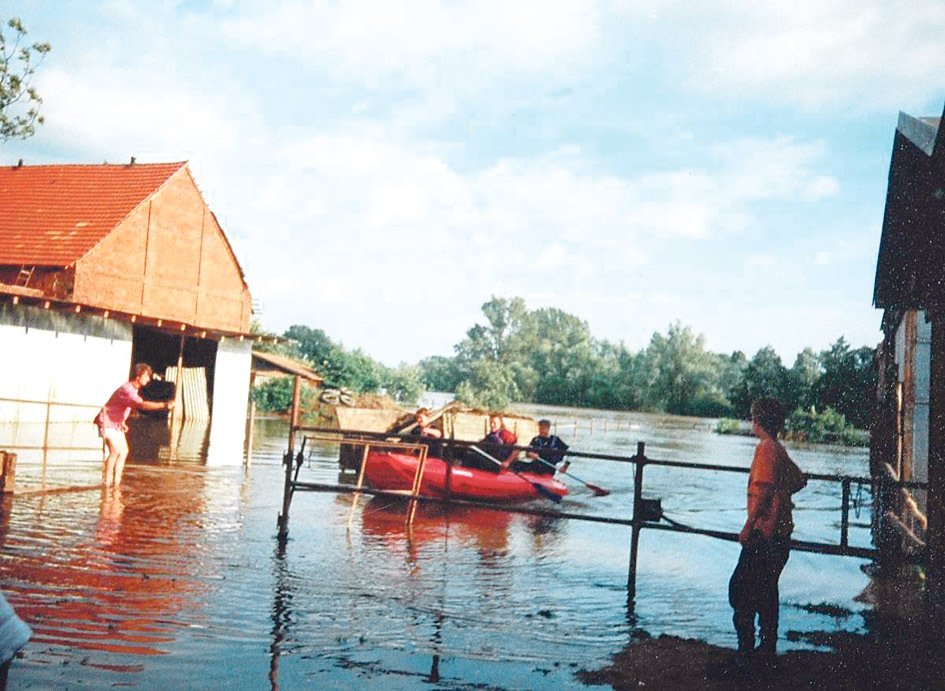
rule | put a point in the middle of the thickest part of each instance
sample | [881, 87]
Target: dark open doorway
[162, 349]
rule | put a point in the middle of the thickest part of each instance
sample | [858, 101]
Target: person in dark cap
[549, 450]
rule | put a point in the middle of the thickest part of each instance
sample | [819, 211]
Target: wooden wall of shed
[168, 260]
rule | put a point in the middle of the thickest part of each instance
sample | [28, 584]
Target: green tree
[680, 376]
[563, 358]
[491, 385]
[275, 395]
[492, 359]
[404, 384]
[354, 370]
[803, 378]
[312, 344]
[848, 382]
[440, 373]
[19, 101]
[765, 375]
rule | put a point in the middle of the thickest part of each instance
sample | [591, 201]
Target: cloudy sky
[383, 168]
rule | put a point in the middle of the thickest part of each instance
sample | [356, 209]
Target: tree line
[549, 356]
[546, 355]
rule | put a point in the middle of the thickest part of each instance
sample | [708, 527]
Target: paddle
[541, 489]
[599, 491]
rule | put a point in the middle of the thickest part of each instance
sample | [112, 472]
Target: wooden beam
[935, 535]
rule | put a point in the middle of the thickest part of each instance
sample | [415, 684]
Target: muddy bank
[902, 649]
[856, 663]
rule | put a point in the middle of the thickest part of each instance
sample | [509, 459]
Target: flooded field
[177, 580]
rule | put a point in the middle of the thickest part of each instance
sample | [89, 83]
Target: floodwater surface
[176, 580]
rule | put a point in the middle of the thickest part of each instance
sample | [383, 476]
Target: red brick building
[105, 265]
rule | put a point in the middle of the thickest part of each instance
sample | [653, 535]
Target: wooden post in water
[251, 423]
[7, 472]
[288, 461]
[46, 429]
[640, 460]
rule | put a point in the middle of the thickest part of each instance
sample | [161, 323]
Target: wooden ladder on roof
[26, 274]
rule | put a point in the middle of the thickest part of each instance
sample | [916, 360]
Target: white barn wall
[230, 400]
[58, 367]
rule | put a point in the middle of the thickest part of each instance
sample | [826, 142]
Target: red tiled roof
[53, 215]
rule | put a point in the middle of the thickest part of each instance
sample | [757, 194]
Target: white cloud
[111, 112]
[422, 43]
[815, 54]
[375, 161]
[777, 168]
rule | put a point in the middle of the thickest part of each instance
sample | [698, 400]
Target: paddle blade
[598, 491]
[546, 493]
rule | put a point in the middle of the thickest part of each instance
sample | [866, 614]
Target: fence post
[46, 429]
[640, 460]
[7, 472]
[288, 460]
[845, 512]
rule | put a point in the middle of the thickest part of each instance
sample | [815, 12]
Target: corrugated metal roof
[53, 215]
[288, 365]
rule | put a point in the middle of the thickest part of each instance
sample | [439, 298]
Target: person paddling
[427, 433]
[549, 452]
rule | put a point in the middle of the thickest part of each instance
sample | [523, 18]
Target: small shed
[268, 366]
[909, 434]
[102, 266]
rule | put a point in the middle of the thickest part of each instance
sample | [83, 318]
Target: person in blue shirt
[549, 450]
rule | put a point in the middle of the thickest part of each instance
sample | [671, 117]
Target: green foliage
[440, 373]
[848, 382]
[825, 426]
[275, 395]
[764, 375]
[404, 384]
[19, 101]
[352, 369]
[490, 385]
[682, 377]
[549, 356]
[727, 425]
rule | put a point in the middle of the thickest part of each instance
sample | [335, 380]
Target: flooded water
[177, 581]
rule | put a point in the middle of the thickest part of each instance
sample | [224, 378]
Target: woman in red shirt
[113, 416]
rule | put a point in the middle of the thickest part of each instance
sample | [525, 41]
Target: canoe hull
[396, 471]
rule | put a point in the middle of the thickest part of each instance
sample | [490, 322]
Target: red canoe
[396, 471]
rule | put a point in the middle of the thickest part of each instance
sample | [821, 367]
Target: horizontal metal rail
[842, 549]
[348, 435]
[23, 447]
[796, 545]
[61, 404]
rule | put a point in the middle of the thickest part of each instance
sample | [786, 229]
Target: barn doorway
[162, 350]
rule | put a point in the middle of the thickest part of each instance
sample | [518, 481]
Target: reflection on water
[176, 579]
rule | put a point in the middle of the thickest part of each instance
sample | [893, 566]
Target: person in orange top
[765, 537]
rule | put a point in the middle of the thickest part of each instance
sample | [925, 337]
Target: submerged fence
[646, 513]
